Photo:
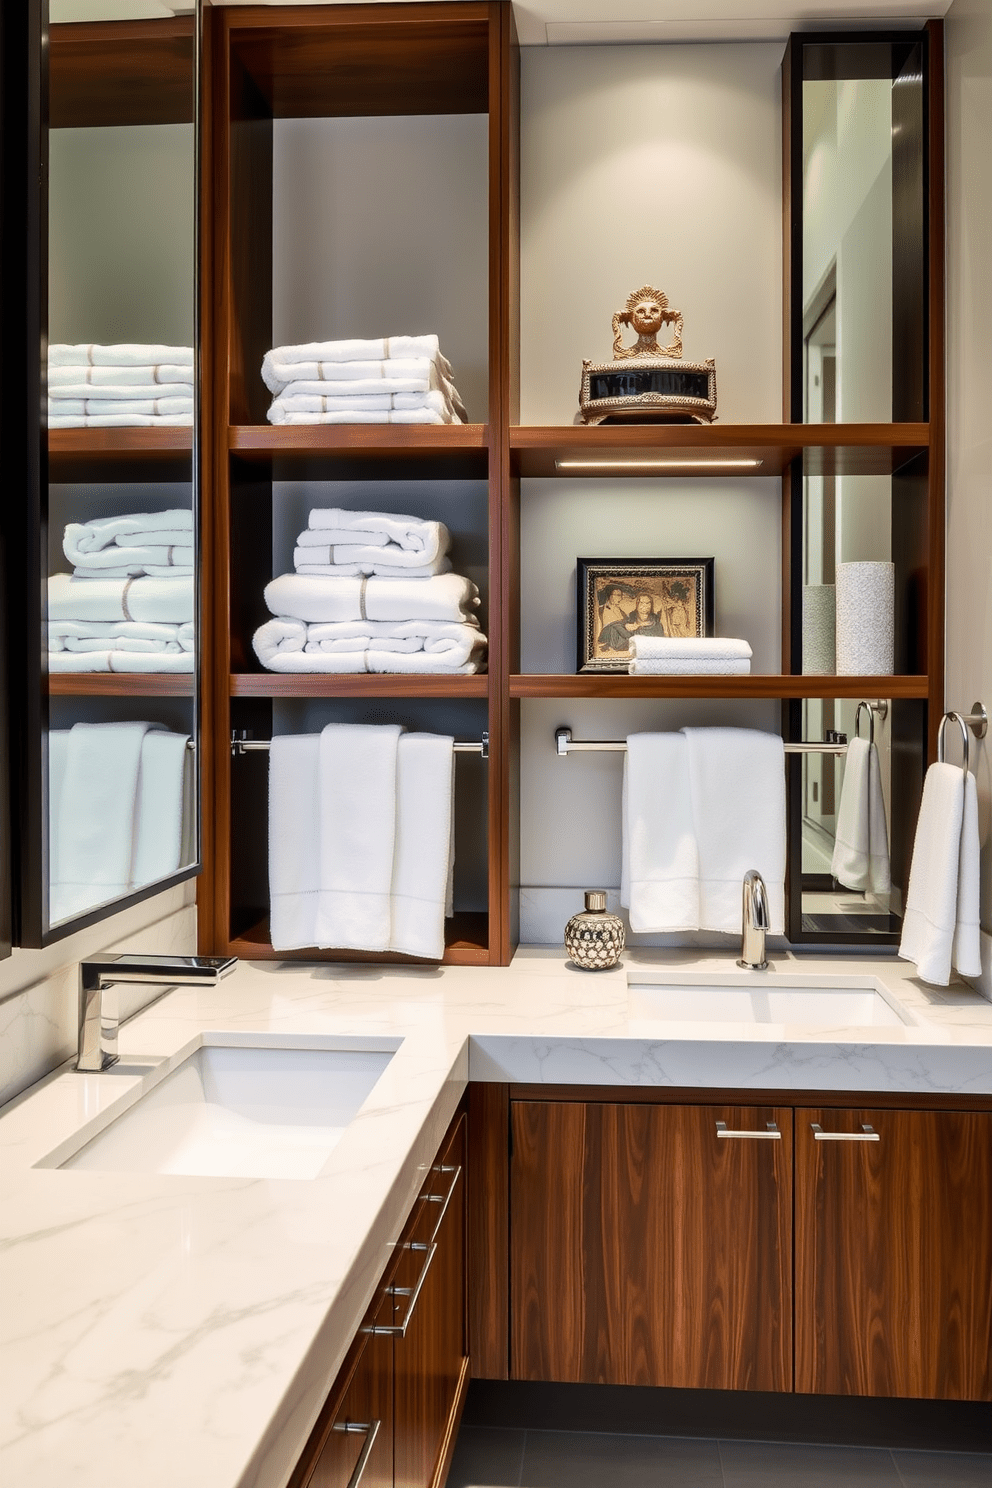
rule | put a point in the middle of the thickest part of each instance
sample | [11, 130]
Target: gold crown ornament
[647, 382]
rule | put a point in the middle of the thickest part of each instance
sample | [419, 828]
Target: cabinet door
[894, 1253]
[429, 1317]
[647, 1248]
[352, 1446]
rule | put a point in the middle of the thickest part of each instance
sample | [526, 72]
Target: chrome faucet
[754, 922]
[98, 1009]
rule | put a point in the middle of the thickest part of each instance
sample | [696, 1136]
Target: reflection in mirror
[846, 809]
[122, 510]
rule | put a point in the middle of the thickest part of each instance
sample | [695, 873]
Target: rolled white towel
[713, 648]
[305, 597]
[168, 599]
[121, 354]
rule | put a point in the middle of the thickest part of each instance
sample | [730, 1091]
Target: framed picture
[621, 597]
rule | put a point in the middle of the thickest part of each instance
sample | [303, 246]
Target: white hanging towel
[93, 837]
[294, 840]
[357, 771]
[737, 787]
[861, 846]
[159, 814]
[660, 875]
[942, 900]
[425, 778]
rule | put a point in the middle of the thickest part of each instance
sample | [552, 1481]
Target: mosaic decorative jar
[594, 938]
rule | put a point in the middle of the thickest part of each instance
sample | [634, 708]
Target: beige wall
[969, 394]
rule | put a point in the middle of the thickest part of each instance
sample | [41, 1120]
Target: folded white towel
[93, 836]
[676, 666]
[168, 599]
[426, 415]
[282, 360]
[123, 635]
[304, 563]
[163, 789]
[147, 420]
[357, 831]
[279, 375]
[306, 597]
[118, 397]
[861, 845]
[111, 660]
[133, 529]
[660, 872]
[713, 648]
[943, 879]
[182, 563]
[64, 381]
[425, 780]
[306, 407]
[287, 645]
[737, 789]
[294, 840]
[126, 354]
[368, 529]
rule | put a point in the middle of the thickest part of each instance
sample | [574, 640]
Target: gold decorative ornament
[653, 384]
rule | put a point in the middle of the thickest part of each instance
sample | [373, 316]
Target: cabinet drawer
[352, 1444]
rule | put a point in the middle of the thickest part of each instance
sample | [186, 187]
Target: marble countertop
[184, 1330]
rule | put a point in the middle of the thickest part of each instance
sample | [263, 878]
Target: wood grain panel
[119, 684]
[894, 1255]
[488, 1229]
[380, 684]
[121, 72]
[646, 1250]
[431, 1361]
[756, 685]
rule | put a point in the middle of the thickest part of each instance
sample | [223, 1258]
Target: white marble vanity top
[168, 1330]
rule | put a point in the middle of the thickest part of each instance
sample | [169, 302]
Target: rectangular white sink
[763, 1003]
[235, 1112]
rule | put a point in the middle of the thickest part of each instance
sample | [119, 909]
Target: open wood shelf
[121, 72]
[826, 449]
[466, 934]
[354, 451]
[755, 685]
[124, 454]
[363, 684]
[120, 684]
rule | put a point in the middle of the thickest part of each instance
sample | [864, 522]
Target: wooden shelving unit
[120, 685]
[424, 58]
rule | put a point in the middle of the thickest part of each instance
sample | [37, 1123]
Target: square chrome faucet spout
[98, 1004]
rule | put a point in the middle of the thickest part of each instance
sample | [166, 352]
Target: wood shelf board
[363, 684]
[128, 454]
[755, 685]
[354, 451]
[343, 61]
[121, 72]
[839, 449]
[467, 944]
[120, 684]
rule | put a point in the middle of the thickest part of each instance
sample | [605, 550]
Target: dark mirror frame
[24, 440]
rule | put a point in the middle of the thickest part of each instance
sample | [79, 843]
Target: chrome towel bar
[565, 744]
[241, 745]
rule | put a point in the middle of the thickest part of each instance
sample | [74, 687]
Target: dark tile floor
[491, 1457]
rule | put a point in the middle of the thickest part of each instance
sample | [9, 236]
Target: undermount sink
[820, 1007]
[235, 1112]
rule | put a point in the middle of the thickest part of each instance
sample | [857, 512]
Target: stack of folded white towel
[700, 808]
[128, 604]
[391, 380]
[361, 839]
[117, 811]
[691, 656]
[372, 592]
[119, 386]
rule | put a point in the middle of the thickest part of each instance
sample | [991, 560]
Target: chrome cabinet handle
[399, 1330]
[771, 1135]
[370, 1430]
[866, 1134]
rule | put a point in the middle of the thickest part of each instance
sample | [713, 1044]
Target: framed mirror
[107, 744]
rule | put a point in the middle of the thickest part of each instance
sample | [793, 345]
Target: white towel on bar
[129, 420]
[93, 836]
[681, 667]
[737, 789]
[122, 354]
[861, 844]
[316, 600]
[357, 771]
[287, 645]
[660, 867]
[294, 840]
[279, 364]
[422, 854]
[168, 599]
[684, 648]
[163, 789]
[942, 900]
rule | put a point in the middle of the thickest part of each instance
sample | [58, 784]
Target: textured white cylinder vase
[865, 626]
[819, 630]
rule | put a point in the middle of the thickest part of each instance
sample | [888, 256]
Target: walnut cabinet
[829, 1250]
[392, 1413]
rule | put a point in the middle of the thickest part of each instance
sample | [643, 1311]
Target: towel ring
[871, 723]
[953, 718]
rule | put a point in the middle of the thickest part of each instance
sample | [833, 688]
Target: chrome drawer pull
[771, 1135]
[368, 1429]
[399, 1330]
[866, 1134]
